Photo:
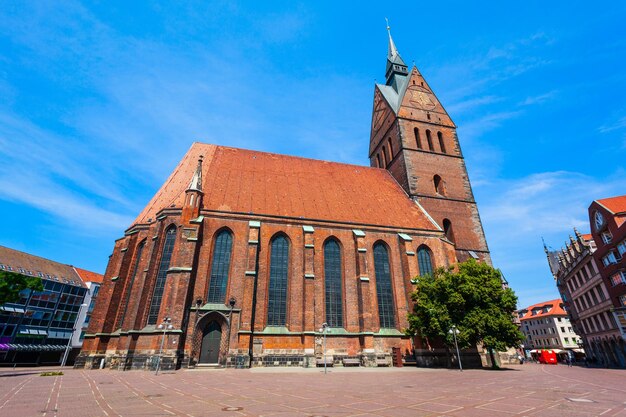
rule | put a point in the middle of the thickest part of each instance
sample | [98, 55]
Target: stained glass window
[423, 259]
[220, 268]
[279, 268]
[332, 283]
[164, 265]
[384, 290]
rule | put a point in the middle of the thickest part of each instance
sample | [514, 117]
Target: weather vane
[387, 20]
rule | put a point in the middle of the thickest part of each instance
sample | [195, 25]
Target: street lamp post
[69, 342]
[324, 329]
[454, 331]
[165, 325]
[232, 301]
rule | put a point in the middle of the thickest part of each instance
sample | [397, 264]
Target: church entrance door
[211, 340]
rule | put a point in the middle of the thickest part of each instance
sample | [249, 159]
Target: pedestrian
[569, 361]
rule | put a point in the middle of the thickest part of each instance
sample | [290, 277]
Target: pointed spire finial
[196, 180]
[392, 51]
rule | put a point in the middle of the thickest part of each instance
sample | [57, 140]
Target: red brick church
[242, 257]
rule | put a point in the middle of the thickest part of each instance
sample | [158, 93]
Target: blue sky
[100, 100]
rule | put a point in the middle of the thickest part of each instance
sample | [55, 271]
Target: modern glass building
[39, 327]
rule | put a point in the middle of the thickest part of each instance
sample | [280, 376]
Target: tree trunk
[494, 364]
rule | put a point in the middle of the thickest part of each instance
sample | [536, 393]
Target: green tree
[469, 296]
[12, 283]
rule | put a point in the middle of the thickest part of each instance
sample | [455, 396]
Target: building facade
[584, 294]
[547, 326]
[607, 217]
[242, 258]
[37, 329]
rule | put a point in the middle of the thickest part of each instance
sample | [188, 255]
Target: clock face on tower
[599, 220]
[421, 99]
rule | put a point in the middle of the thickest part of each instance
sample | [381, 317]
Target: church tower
[414, 138]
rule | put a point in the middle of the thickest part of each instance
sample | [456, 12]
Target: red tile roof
[587, 236]
[614, 204]
[556, 310]
[251, 182]
[88, 276]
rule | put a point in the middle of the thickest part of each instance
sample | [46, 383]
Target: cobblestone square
[528, 390]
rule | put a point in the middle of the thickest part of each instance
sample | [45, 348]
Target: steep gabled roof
[88, 276]
[614, 204]
[252, 182]
[553, 305]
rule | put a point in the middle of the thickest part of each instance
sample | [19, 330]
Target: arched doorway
[211, 341]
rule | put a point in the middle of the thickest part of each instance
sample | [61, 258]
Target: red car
[547, 356]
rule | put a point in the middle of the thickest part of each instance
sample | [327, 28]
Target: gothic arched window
[441, 144]
[129, 286]
[333, 284]
[424, 261]
[438, 183]
[164, 265]
[384, 289]
[418, 140]
[390, 149]
[447, 229]
[279, 273]
[385, 158]
[220, 267]
[429, 139]
[378, 161]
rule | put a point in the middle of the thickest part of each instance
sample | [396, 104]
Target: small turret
[193, 198]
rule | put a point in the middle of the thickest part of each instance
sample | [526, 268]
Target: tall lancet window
[384, 289]
[164, 265]
[279, 273]
[424, 261]
[332, 284]
[220, 267]
[129, 286]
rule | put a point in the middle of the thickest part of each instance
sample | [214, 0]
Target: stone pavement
[528, 390]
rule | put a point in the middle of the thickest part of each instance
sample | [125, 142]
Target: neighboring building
[584, 294]
[608, 217]
[37, 328]
[247, 254]
[93, 281]
[546, 326]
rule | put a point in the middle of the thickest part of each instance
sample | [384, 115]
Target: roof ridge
[282, 155]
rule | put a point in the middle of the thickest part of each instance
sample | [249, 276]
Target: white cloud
[541, 98]
[517, 213]
[469, 105]
[613, 126]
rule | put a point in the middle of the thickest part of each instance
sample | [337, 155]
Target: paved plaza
[529, 390]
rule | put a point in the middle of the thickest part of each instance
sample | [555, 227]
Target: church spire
[196, 180]
[396, 67]
[392, 51]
